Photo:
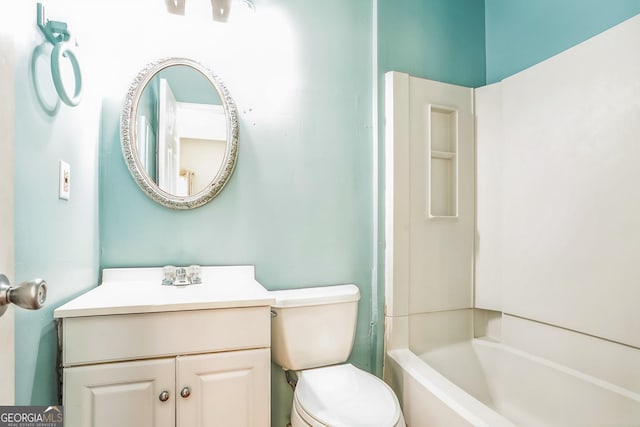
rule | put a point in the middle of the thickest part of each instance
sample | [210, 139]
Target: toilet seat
[345, 396]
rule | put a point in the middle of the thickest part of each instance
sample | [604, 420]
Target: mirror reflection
[179, 133]
[181, 130]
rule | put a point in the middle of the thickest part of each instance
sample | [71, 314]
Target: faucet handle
[168, 274]
[193, 271]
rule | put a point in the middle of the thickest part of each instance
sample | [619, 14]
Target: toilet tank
[313, 327]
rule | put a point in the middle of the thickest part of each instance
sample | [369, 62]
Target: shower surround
[530, 315]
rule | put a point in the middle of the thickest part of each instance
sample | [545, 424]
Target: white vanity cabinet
[120, 394]
[223, 389]
[217, 389]
[174, 364]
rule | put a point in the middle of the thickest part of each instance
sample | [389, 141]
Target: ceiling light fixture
[220, 9]
[175, 7]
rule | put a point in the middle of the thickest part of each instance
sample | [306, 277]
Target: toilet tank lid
[315, 296]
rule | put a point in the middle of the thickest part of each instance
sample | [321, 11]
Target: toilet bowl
[312, 333]
[341, 396]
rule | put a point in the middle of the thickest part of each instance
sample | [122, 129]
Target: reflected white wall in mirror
[201, 130]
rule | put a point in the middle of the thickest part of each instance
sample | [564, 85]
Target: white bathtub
[483, 383]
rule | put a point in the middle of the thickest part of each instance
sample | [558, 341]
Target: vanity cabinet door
[125, 394]
[230, 389]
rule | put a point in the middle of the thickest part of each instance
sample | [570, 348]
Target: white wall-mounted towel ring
[63, 50]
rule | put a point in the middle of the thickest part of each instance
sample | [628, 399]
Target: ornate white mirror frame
[130, 145]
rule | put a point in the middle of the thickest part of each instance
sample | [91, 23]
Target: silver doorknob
[185, 392]
[30, 295]
[164, 396]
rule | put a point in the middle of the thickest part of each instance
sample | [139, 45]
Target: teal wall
[54, 239]
[298, 205]
[521, 33]
[435, 39]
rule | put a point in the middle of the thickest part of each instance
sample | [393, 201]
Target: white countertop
[140, 290]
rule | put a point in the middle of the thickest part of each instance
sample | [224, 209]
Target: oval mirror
[179, 133]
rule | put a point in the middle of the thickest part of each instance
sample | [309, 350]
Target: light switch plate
[64, 186]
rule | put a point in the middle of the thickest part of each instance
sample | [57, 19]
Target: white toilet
[312, 333]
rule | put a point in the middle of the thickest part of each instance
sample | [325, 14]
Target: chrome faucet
[181, 276]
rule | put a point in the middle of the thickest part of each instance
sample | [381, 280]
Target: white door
[228, 389]
[7, 107]
[127, 394]
[168, 142]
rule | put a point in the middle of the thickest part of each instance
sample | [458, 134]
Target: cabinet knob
[164, 396]
[185, 392]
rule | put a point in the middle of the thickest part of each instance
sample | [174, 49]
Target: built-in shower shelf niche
[442, 140]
